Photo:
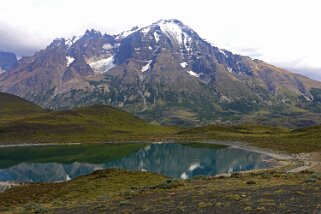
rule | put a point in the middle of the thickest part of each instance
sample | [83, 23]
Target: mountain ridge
[166, 73]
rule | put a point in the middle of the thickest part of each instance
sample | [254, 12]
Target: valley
[157, 119]
[120, 191]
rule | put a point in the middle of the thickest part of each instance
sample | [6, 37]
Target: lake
[177, 160]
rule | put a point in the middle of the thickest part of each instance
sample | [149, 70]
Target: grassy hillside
[11, 104]
[23, 121]
[13, 107]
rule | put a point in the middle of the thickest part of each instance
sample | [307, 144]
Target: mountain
[7, 61]
[166, 73]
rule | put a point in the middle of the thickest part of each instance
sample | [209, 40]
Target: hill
[13, 108]
[26, 122]
[11, 104]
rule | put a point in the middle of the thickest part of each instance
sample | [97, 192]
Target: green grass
[13, 108]
[114, 190]
[100, 185]
[89, 124]
[89, 153]
[11, 104]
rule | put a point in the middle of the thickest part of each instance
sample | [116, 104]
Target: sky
[285, 33]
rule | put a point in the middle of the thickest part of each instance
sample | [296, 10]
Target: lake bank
[176, 160]
[293, 162]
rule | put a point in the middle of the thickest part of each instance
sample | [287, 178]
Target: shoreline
[11, 145]
[291, 163]
[279, 159]
[4, 185]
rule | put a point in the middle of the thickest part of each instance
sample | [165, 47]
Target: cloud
[301, 65]
[20, 41]
[254, 53]
[312, 73]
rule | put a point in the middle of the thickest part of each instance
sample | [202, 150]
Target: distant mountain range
[166, 73]
[7, 61]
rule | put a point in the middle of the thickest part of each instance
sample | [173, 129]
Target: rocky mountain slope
[166, 73]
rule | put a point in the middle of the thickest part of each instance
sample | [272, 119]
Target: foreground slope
[119, 191]
[164, 72]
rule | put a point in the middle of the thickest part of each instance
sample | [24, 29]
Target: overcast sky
[285, 33]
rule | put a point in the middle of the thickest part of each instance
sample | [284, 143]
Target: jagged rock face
[166, 73]
[7, 61]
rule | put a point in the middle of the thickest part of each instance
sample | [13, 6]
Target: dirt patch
[310, 161]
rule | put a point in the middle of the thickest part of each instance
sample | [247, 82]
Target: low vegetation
[119, 191]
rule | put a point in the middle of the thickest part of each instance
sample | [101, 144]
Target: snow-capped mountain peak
[173, 26]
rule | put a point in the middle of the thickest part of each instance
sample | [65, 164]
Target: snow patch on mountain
[145, 30]
[76, 38]
[147, 66]
[73, 40]
[107, 46]
[103, 65]
[172, 30]
[184, 64]
[127, 33]
[68, 43]
[178, 33]
[69, 60]
[156, 36]
[192, 73]
[223, 52]
[187, 42]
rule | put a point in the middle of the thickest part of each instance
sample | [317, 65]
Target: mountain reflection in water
[170, 159]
